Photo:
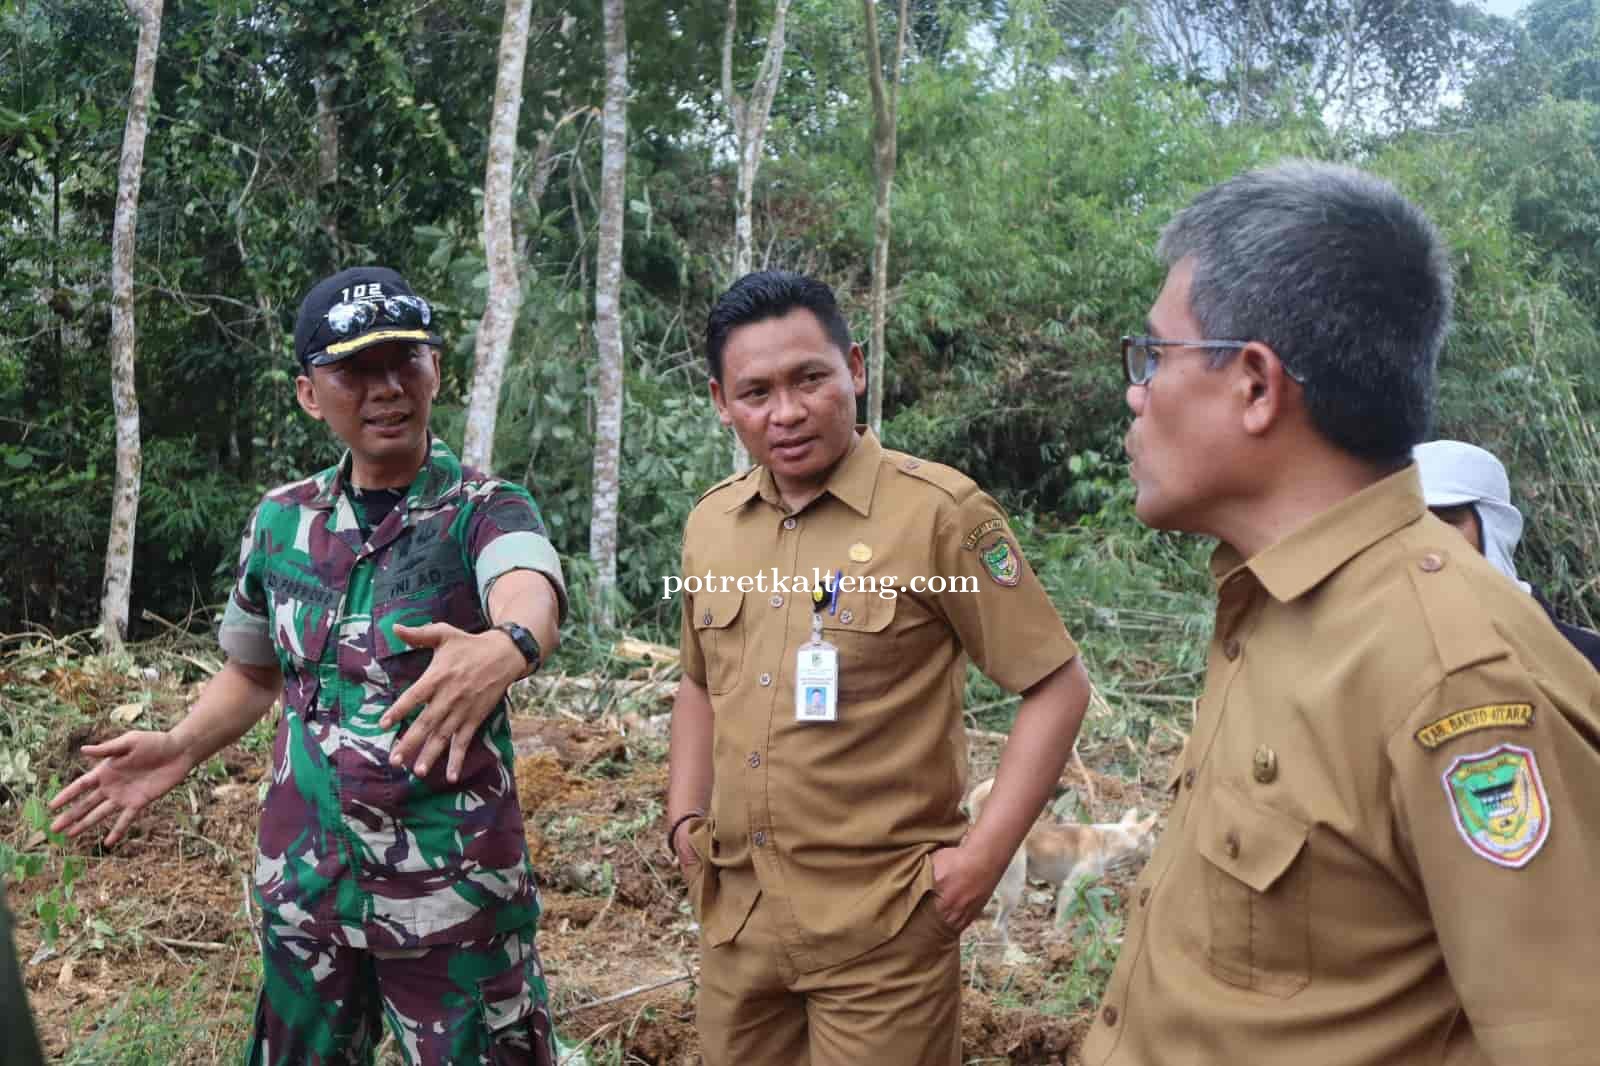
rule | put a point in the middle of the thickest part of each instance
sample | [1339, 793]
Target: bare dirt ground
[617, 937]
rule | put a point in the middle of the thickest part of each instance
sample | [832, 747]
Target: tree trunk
[505, 288]
[884, 104]
[328, 157]
[1247, 58]
[118, 582]
[1348, 119]
[749, 119]
[608, 314]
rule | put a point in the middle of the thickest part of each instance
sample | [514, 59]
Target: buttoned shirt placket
[1239, 599]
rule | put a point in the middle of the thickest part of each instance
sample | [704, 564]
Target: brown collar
[1305, 558]
[852, 482]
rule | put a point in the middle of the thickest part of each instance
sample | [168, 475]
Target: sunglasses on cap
[357, 316]
[352, 318]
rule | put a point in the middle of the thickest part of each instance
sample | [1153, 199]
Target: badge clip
[816, 668]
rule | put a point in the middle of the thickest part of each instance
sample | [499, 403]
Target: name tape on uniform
[989, 525]
[1460, 723]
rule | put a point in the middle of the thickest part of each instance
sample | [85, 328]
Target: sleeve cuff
[246, 636]
[521, 550]
[248, 645]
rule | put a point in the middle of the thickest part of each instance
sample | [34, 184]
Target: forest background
[1041, 145]
[1034, 149]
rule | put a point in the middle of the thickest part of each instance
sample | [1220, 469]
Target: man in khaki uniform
[822, 839]
[1383, 848]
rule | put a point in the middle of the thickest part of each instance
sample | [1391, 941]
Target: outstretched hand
[135, 769]
[469, 674]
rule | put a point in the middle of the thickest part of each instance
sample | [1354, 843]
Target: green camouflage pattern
[467, 1003]
[351, 850]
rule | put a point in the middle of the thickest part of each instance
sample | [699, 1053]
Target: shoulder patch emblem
[1491, 716]
[1002, 562]
[970, 541]
[1498, 802]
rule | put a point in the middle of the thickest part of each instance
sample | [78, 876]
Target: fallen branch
[250, 911]
[209, 669]
[544, 688]
[610, 899]
[632, 648]
[1156, 697]
[192, 945]
[641, 990]
[150, 616]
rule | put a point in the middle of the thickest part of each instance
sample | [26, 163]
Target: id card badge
[816, 683]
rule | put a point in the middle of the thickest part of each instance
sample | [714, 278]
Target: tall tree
[608, 313]
[505, 287]
[328, 153]
[1370, 61]
[1565, 35]
[749, 117]
[885, 102]
[118, 581]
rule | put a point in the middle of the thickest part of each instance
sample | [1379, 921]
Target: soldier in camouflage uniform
[391, 600]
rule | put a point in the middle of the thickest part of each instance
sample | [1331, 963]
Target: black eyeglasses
[355, 316]
[1140, 355]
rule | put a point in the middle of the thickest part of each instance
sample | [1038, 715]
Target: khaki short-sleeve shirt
[836, 820]
[1384, 848]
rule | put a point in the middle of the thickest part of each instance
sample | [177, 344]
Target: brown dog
[1062, 853]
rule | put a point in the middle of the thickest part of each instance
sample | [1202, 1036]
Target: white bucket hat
[1455, 473]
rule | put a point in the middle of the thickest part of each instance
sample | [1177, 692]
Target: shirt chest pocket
[302, 612]
[398, 662]
[719, 625]
[862, 628]
[1258, 887]
[429, 587]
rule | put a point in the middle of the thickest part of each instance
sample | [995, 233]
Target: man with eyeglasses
[390, 600]
[1382, 848]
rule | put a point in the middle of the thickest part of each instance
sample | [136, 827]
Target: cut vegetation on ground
[145, 953]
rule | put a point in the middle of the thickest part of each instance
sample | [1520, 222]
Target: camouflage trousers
[483, 1002]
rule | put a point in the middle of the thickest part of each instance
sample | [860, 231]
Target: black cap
[316, 343]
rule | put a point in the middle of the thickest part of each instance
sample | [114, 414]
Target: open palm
[134, 770]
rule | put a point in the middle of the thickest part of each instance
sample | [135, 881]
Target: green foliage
[1137, 601]
[56, 907]
[1547, 167]
[1035, 173]
[1096, 931]
[629, 828]
[1517, 375]
[1564, 36]
[156, 1026]
[1027, 218]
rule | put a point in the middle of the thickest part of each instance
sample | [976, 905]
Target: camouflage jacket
[352, 850]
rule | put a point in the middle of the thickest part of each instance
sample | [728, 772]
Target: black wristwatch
[525, 644]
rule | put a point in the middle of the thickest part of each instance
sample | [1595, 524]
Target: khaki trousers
[896, 1005]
